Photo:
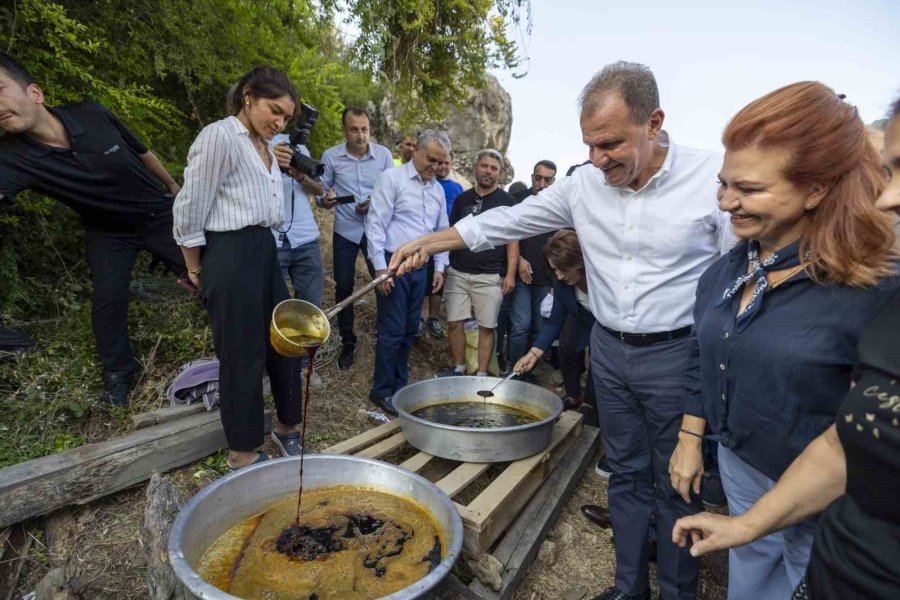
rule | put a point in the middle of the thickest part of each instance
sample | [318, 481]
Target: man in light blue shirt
[297, 239]
[351, 169]
[407, 203]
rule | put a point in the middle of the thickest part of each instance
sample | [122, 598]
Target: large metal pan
[245, 493]
[468, 444]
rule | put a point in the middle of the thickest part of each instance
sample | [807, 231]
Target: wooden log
[166, 414]
[61, 531]
[163, 505]
[39, 486]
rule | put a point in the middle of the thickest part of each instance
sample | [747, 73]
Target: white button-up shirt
[404, 208]
[226, 185]
[643, 250]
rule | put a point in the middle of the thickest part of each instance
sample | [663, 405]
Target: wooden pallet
[495, 507]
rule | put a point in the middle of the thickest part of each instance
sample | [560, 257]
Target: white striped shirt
[226, 185]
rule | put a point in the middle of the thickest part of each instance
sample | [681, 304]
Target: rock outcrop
[483, 120]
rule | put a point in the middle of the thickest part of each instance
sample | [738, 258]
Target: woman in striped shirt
[232, 195]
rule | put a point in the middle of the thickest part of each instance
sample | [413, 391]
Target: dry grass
[107, 554]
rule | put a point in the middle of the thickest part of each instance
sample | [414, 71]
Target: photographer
[232, 196]
[351, 170]
[297, 239]
[83, 156]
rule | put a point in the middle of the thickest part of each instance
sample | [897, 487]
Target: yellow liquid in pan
[365, 544]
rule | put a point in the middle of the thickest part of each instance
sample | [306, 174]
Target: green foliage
[48, 396]
[164, 66]
[429, 51]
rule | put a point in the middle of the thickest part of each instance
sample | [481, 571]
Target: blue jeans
[345, 253]
[303, 265]
[525, 318]
[639, 405]
[398, 324]
[772, 566]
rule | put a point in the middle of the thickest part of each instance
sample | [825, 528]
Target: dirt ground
[575, 562]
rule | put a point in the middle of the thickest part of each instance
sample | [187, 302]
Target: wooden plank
[39, 486]
[417, 462]
[383, 447]
[364, 439]
[461, 476]
[522, 541]
[492, 497]
[499, 504]
[166, 414]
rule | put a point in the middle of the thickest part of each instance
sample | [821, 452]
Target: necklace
[261, 150]
[780, 280]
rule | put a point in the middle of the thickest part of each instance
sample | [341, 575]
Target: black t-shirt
[101, 175]
[490, 261]
[856, 553]
[532, 250]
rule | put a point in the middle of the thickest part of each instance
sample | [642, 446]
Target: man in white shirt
[407, 203]
[649, 225]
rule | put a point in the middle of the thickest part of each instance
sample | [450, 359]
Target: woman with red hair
[778, 321]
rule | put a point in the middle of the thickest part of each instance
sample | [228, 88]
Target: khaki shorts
[465, 293]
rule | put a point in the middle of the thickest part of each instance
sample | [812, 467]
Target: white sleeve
[548, 211]
[208, 164]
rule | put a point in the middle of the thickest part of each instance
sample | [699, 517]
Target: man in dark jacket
[83, 156]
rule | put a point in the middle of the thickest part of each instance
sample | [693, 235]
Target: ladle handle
[358, 294]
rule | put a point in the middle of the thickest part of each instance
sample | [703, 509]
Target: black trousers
[241, 284]
[111, 255]
[571, 361]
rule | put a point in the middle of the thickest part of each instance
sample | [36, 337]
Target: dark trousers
[571, 361]
[639, 404]
[111, 256]
[242, 284]
[398, 324]
[344, 257]
[504, 325]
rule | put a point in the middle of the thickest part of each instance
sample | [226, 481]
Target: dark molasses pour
[311, 353]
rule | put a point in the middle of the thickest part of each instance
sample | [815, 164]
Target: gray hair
[434, 135]
[489, 152]
[635, 83]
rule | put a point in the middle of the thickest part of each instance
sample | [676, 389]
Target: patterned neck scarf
[784, 258]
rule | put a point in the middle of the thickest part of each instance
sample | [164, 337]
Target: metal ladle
[298, 326]
[490, 393]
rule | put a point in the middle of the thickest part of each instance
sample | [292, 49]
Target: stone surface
[488, 571]
[483, 120]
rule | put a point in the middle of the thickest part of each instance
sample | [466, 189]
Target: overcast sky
[709, 61]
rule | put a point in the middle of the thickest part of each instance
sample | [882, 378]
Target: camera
[302, 128]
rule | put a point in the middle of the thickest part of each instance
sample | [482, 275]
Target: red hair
[848, 240]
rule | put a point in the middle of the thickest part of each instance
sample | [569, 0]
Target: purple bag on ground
[197, 380]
